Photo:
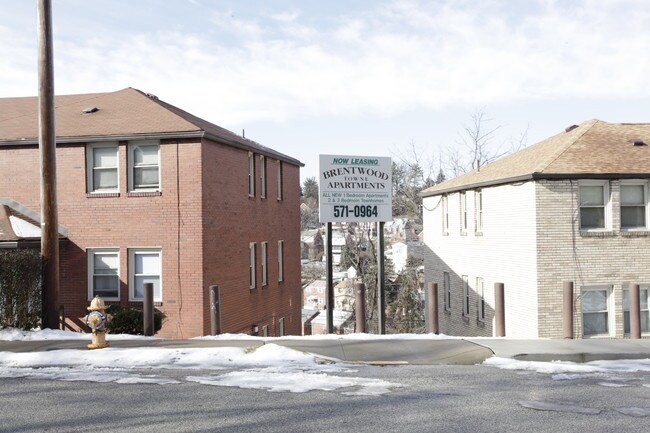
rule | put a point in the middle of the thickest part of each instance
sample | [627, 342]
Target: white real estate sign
[355, 188]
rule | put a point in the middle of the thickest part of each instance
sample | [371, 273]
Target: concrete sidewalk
[386, 351]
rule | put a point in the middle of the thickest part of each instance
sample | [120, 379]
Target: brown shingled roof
[123, 114]
[594, 149]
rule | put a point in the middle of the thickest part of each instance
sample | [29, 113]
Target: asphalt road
[435, 398]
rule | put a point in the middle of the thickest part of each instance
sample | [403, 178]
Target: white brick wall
[504, 252]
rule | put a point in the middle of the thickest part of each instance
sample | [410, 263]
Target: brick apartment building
[150, 193]
[574, 207]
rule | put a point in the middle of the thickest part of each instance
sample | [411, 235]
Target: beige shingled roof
[594, 149]
[125, 113]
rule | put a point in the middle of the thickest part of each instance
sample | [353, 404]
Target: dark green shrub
[129, 320]
[20, 288]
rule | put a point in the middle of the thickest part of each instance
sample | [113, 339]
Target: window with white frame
[465, 295]
[279, 180]
[145, 266]
[264, 263]
[102, 167]
[251, 174]
[446, 284]
[594, 201]
[644, 300]
[480, 290]
[262, 176]
[596, 315]
[445, 215]
[478, 206]
[634, 203]
[281, 327]
[280, 261]
[463, 212]
[265, 331]
[144, 166]
[104, 273]
[252, 250]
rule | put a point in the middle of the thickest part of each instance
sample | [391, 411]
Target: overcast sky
[350, 77]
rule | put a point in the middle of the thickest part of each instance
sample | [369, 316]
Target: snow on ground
[270, 367]
[13, 334]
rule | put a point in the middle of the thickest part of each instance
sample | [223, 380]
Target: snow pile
[562, 367]
[272, 367]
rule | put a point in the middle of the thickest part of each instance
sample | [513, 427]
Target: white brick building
[573, 207]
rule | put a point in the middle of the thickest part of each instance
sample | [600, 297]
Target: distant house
[574, 207]
[151, 193]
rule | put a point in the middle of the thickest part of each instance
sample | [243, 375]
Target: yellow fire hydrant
[97, 319]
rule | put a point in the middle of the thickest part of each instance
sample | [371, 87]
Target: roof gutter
[32, 141]
[536, 176]
[266, 151]
[95, 138]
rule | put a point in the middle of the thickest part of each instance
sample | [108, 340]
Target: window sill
[144, 194]
[480, 323]
[478, 233]
[635, 233]
[447, 311]
[102, 194]
[445, 233]
[597, 234]
[465, 318]
[462, 233]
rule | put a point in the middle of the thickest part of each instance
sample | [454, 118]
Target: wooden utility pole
[47, 149]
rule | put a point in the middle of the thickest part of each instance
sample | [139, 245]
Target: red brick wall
[197, 208]
[171, 221]
[232, 220]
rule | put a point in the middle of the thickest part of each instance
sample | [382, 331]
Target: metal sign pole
[381, 278]
[330, 283]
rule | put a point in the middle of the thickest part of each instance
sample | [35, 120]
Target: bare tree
[475, 145]
[413, 171]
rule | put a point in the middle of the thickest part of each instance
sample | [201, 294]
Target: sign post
[359, 189]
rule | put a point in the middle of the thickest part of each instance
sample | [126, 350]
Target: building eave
[535, 176]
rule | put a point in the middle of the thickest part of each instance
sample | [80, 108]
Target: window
[103, 273]
[144, 267]
[594, 199]
[281, 327]
[465, 295]
[478, 196]
[265, 331]
[144, 166]
[445, 215]
[463, 212]
[279, 180]
[595, 311]
[253, 258]
[263, 176]
[447, 289]
[280, 261]
[102, 167]
[645, 312]
[633, 206]
[264, 263]
[251, 174]
[480, 290]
